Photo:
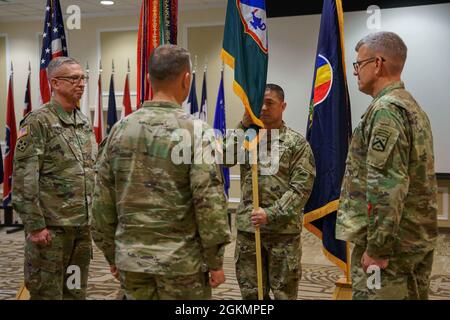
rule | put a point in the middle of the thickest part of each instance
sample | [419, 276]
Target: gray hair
[387, 43]
[57, 63]
[167, 62]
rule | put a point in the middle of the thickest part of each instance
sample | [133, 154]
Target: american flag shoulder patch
[22, 132]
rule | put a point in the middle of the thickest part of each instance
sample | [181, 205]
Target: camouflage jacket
[388, 198]
[53, 174]
[282, 194]
[150, 214]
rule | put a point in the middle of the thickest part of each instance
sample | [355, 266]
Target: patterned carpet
[318, 279]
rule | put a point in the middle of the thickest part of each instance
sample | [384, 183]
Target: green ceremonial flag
[245, 49]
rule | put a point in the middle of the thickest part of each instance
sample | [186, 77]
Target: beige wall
[443, 203]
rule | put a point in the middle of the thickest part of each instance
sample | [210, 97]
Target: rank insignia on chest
[380, 140]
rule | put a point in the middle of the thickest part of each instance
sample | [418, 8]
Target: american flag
[53, 43]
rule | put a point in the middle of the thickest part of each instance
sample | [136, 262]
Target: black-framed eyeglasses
[359, 64]
[73, 79]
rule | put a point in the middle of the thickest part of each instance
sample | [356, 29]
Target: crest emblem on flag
[324, 80]
[253, 17]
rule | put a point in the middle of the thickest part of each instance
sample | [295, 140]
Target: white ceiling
[19, 10]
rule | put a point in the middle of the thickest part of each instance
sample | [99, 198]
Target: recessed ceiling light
[107, 3]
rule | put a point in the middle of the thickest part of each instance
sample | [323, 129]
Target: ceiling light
[107, 3]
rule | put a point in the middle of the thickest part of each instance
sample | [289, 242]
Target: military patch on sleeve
[22, 145]
[22, 132]
[381, 145]
[380, 139]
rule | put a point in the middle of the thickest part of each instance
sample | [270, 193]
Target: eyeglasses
[359, 64]
[73, 79]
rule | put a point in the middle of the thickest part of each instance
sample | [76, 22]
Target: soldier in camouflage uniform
[282, 196]
[52, 188]
[388, 206]
[161, 224]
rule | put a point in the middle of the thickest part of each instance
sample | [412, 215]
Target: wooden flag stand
[23, 293]
[343, 290]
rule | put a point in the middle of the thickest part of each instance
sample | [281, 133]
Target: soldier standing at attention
[282, 195]
[388, 205]
[52, 188]
[161, 225]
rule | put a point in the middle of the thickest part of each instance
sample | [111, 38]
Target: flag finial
[112, 65]
[128, 66]
[29, 67]
[12, 68]
[195, 63]
[100, 66]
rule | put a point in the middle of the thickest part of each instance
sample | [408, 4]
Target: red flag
[126, 99]
[10, 141]
[148, 39]
[98, 114]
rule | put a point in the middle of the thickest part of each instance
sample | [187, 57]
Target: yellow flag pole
[257, 231]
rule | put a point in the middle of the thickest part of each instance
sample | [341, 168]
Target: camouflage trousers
[281, 254]
[145, 286]
[406, 277]
[60, 270]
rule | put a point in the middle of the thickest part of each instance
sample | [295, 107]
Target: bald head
[388, 45]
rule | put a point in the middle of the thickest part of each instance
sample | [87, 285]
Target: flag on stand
[10, 143]
[329, 132]
[85, 99]
[158, 24]
[98, 113]
[221, 125]
[126, 104]
[204, 105]
[245, 49]
[27, 106]
[1, 166]
[53, 44]
[192, 99]
[112, 111]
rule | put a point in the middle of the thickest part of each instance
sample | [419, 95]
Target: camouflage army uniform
[388, 202]
[162, 224]
[282, 195]
[52, 188]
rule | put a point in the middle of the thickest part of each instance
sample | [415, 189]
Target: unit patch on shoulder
[380, 140]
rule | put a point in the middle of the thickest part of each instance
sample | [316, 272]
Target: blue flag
[329, 132]
[192, 100]
[221, 125]
[112, 111]
[245, 49]
[204, 104]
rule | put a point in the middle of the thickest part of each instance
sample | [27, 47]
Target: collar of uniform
[282, 132]
[386, 90]
[65, 116]
[389, 88]
[161, 104]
